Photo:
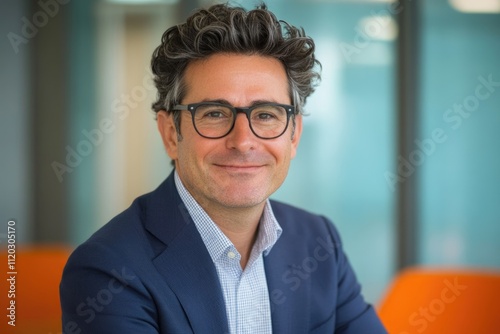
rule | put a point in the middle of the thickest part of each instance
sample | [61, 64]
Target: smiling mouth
[239, 168]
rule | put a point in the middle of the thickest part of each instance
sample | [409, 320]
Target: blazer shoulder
[125, 235]
[302, 222]
[149, 222]
[122, 229]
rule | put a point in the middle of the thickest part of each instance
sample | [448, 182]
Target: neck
[241, 227]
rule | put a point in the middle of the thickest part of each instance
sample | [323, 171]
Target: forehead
[236, 78]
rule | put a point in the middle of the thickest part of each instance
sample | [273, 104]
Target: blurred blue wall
[15, 125]
[459, 209]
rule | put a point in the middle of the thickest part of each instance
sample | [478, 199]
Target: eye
[213, 112]
[265, 116]
[268, 113]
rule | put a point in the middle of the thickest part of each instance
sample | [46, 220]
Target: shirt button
[231, 255]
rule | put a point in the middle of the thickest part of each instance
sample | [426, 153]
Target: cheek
[282, 153]
[187, 143]
[187, 153]
[192, 152]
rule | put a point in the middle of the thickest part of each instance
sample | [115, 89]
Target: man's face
[239, 170]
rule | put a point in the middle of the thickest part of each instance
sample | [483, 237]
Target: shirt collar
[216, 241]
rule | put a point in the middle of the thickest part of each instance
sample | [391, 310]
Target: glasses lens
[213, 121]
[269, 121]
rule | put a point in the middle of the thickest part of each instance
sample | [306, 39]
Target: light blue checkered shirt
[245, 292]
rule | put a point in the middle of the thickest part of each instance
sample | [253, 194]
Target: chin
[241, 201]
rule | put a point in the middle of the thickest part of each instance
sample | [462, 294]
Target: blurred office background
[401, 147]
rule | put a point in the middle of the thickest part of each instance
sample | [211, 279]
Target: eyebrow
[223, 101]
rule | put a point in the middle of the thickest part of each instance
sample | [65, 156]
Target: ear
[168, 132]
[296, 135]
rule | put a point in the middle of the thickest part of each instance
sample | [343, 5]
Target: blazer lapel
[288, 286]
[185, 263]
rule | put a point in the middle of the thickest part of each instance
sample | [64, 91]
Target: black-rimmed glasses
[216, 120]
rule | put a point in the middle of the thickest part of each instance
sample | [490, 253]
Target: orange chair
[442, 301]
[36, 287]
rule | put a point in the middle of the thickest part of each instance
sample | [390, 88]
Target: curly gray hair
[225, 29]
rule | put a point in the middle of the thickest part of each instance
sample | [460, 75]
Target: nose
[241, 136]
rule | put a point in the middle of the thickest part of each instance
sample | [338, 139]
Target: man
[208, 252]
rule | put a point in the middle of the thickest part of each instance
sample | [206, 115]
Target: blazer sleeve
[100, 293]
[353, 314]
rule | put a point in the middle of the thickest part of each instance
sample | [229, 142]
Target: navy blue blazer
[148, 271]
